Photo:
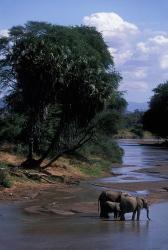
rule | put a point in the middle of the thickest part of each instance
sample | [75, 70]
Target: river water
[137, 156]
[21, 231]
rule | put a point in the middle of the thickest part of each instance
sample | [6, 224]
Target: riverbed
[69, 219]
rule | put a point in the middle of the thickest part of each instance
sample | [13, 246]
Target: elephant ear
[145, 203]
[140, 202]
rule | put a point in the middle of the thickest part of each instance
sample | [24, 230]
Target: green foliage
[154, 119]
[20, 149]
[4, 176]
[103, 147]
[110, 120]
[132, 125]
[11, 126]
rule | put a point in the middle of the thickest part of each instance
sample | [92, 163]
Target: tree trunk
[30, 154]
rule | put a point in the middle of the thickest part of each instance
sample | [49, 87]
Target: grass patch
[98, 168]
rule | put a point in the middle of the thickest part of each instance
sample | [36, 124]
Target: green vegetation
[96, 158]
[155, 119]
[61, 93]
[132, 126]
[5, 180]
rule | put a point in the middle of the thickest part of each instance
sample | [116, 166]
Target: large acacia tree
[63, 73]
[155, 119]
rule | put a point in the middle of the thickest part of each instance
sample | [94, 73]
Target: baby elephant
[110, 207]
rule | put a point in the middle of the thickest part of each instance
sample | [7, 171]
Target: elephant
[110, 207]
[133, 204]
[114, 196]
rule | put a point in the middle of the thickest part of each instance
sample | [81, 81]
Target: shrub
[4, 176]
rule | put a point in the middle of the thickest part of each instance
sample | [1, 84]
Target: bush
[100, 155]
[104, 147]
[4, 176]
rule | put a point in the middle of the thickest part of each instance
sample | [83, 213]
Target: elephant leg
[118, 214]
[104, 212]
[133, 215]
[101, 211]
[101, 215]
[115, 214]
[138, 213]
[106, 216]
[122, 217]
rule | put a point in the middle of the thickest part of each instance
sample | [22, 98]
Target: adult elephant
[113, 196]
[133, 204]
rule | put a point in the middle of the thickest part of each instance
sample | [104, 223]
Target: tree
[47, 67]
[133, 122]
[155, 119]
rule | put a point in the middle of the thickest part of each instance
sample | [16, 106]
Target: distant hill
[132, 106]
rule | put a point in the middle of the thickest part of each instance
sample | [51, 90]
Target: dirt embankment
[26, 184]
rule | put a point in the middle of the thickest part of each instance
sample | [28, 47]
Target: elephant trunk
[147, 213]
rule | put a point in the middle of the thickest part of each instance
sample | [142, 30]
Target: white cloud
[110, 24]
[135, 86]
[156, 45]
[160, 40]
[120, 57]
[138, 73]
[164, 62]
[156, 48]
[141, 46]
[4, 32]
[118, 34]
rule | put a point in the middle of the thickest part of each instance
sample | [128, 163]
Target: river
[137, 156]
[21, 231]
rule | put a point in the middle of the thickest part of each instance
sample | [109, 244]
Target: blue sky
[136, 32]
